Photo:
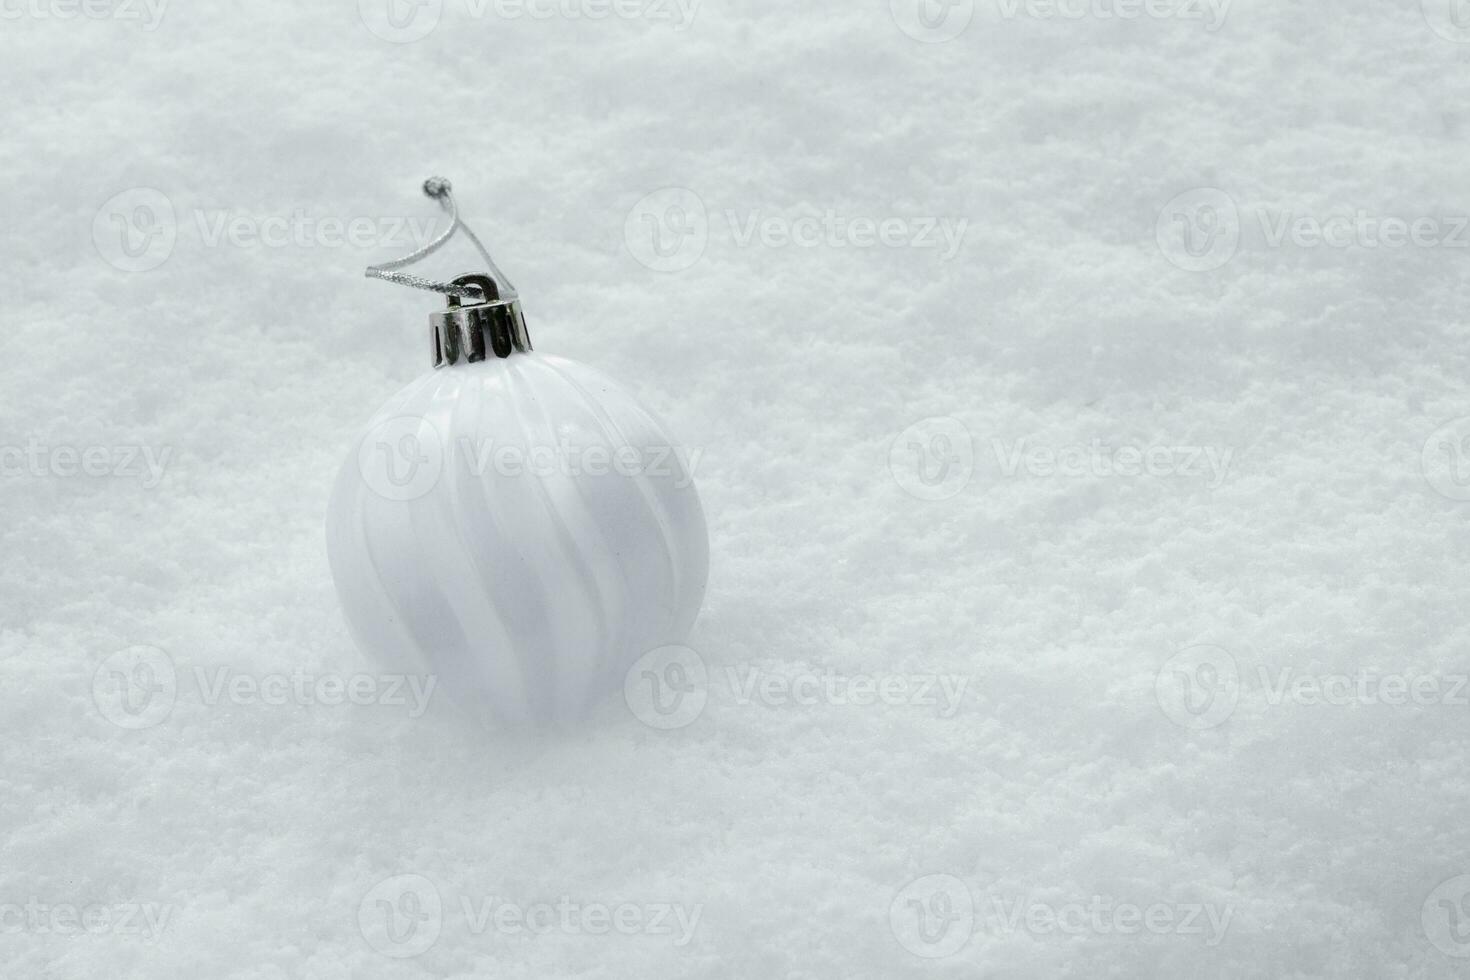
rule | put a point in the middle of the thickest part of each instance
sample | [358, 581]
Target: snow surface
[263, 837]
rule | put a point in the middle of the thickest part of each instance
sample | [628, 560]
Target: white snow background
[1184, 701]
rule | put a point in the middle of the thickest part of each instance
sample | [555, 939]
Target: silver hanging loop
[439, 189]
[484, 312]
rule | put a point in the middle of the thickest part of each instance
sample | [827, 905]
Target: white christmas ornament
[513, 523]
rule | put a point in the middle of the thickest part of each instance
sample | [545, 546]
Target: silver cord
[440, 190]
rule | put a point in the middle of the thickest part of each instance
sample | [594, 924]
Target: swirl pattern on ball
[524, 530]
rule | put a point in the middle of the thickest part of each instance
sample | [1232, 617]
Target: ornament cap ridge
[471, 332]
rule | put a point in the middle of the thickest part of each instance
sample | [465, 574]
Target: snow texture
[1189, 526]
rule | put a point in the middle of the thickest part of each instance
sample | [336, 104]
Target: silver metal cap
[471, 332]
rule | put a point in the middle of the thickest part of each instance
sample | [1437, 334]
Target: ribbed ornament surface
[522, 529]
